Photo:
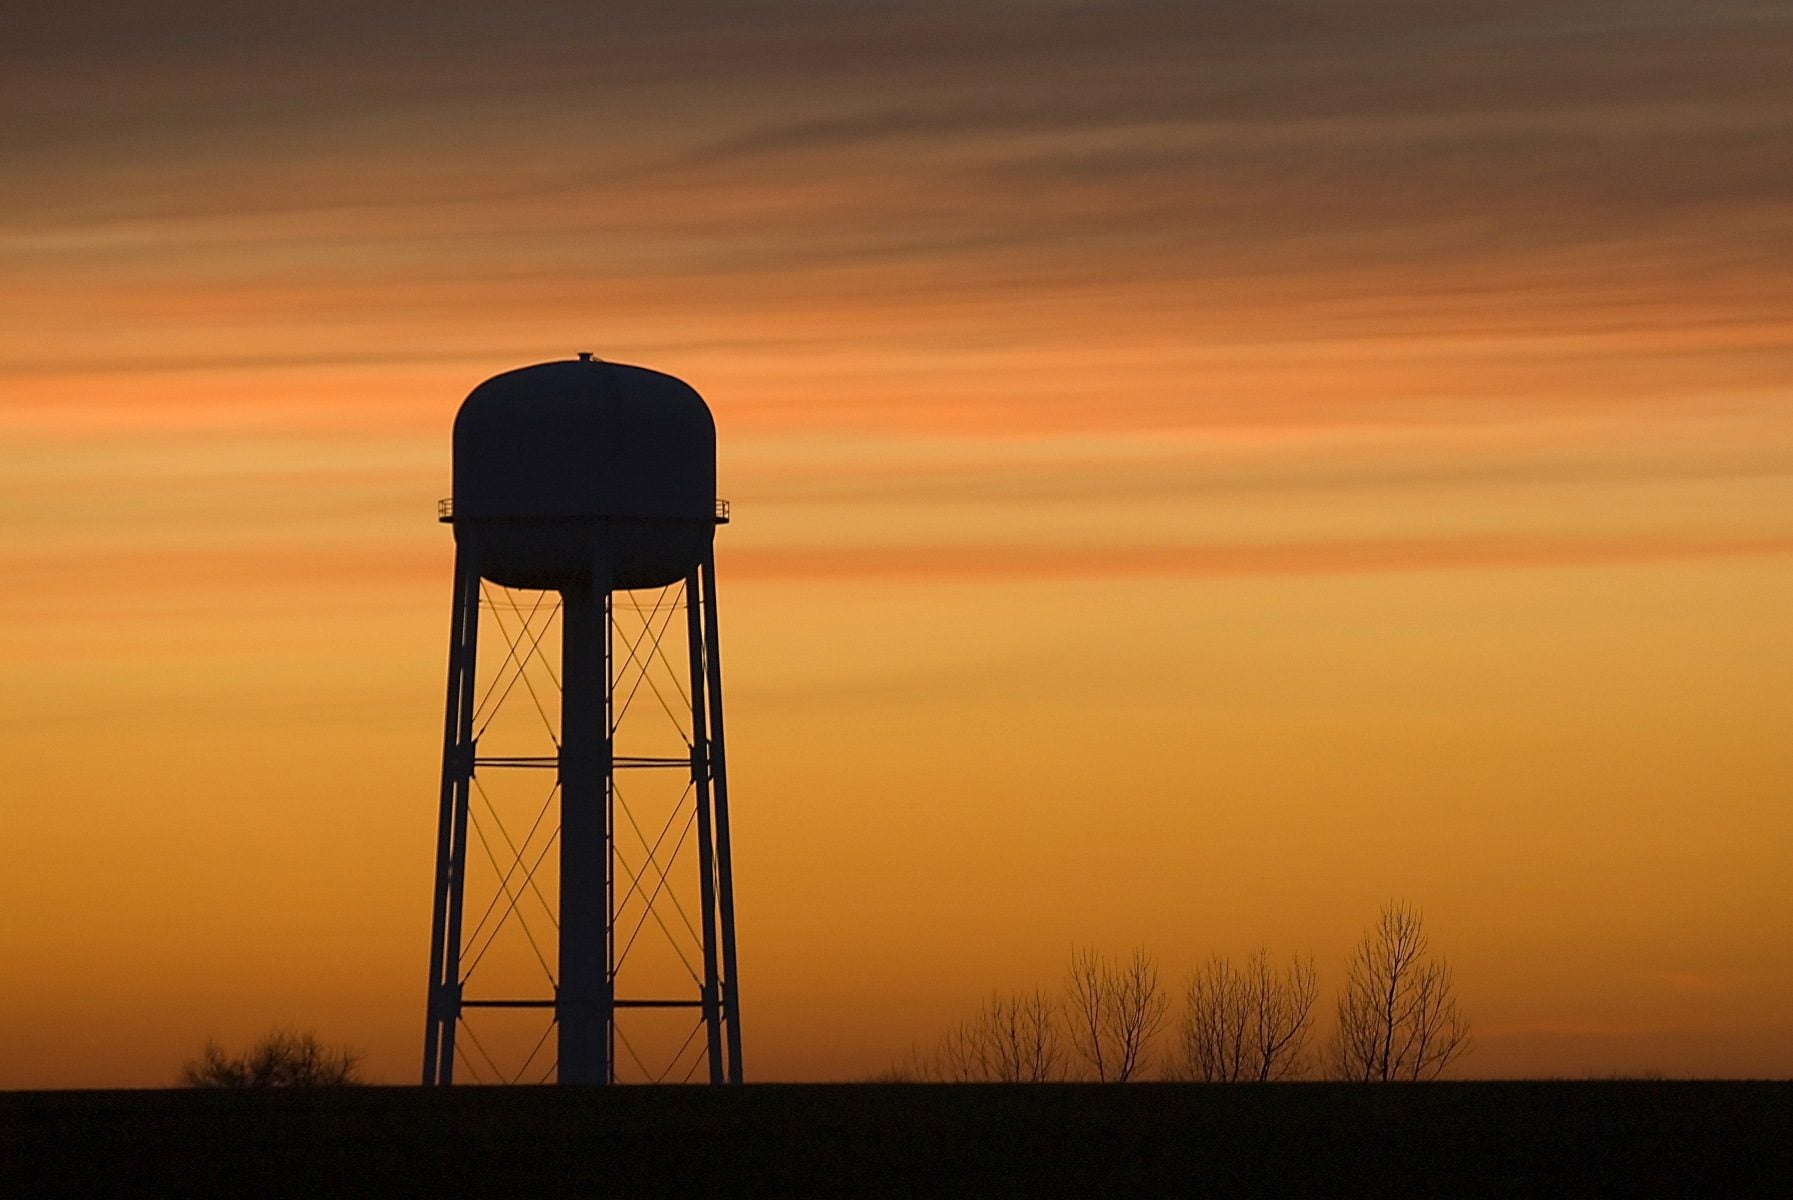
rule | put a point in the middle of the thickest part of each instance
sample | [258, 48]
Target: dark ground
[1440, 1139]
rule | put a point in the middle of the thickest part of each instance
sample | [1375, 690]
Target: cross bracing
[496, 997]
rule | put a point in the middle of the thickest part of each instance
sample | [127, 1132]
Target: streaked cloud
[901, 175]
[932, 564]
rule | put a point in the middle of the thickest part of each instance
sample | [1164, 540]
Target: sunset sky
[1199, 471]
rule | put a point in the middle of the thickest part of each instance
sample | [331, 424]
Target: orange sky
[1195, 478]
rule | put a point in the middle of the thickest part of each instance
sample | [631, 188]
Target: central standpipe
[585, 1006]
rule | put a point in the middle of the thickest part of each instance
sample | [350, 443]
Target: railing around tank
[445, 511]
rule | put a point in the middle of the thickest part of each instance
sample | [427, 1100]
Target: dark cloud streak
[328, 163]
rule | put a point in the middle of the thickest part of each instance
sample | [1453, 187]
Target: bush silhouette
[281, 1059]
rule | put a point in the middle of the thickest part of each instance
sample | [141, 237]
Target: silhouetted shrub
[284, 1058]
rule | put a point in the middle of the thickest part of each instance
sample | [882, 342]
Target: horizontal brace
[445, 514]
[546, 761]
[550, 1003]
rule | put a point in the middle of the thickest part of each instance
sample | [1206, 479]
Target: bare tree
[1283, 1008]
[1249, 1024]
[1025, 1043]
[1398, 1015]
[283, 1058]
[1010, 1040]
[1084, 1007]
[955, 1058]
[1115, 1011]
[1215, 1017]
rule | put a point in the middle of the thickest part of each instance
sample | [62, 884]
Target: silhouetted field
[1567, 1138]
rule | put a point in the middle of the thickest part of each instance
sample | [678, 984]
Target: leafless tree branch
[1397, 1015]
[1247, 1024]
[1012, 1039]
[1115, 1011]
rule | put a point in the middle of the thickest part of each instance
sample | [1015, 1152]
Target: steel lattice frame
[602, 653]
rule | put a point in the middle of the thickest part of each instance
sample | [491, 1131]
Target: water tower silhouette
[584, 483]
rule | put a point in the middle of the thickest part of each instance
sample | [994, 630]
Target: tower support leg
[443, 1005]
[725, 873]
[706, 846]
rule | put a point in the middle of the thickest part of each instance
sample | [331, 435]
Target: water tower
[584, 496]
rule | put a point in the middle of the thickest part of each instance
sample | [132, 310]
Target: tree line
[1396, 1018]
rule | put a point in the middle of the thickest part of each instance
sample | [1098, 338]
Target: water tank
[584, 473]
